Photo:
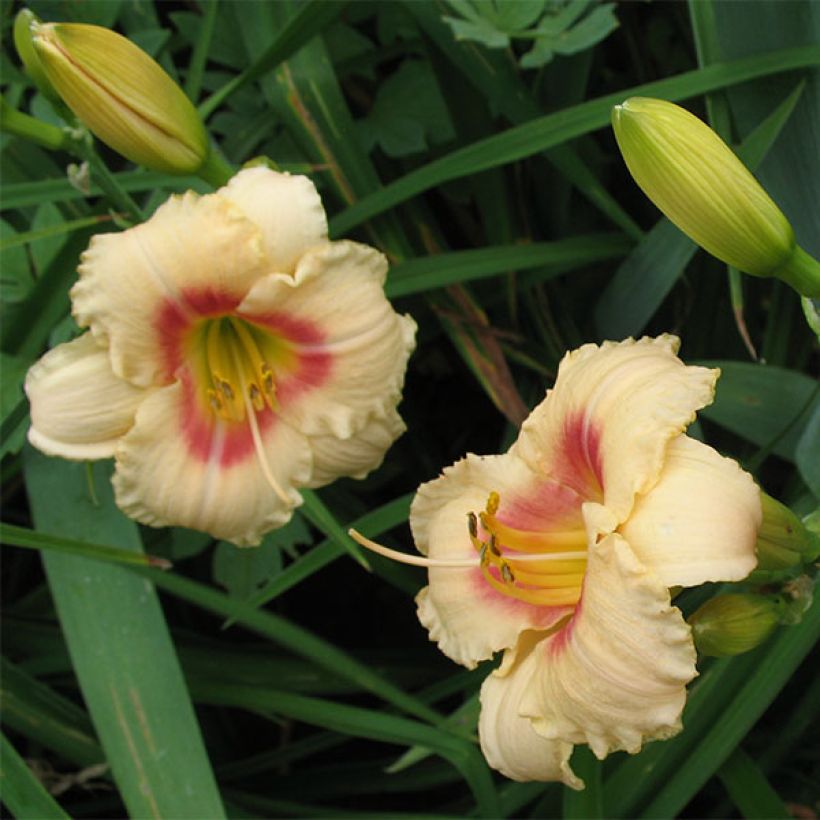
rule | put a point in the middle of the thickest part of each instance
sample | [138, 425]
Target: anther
[472, 524]
[493, 500]
[494, 544]
[507, 574]
[483, 557]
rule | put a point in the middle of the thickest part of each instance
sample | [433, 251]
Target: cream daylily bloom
[234, 354]
[561, 553]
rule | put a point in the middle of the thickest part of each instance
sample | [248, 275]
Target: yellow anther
[493, 500]
[549, 566]
[235, 363]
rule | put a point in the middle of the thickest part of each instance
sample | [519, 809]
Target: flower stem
[802, 272]
[215, 171]
[30, 128]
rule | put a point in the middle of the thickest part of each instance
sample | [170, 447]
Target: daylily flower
[234, 355]
[561, 552]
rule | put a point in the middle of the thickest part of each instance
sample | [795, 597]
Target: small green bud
[783, 541]
[122, 95]
[687, 170]
[734, 623]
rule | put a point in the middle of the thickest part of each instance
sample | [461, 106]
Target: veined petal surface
[467, 617]
[287, 210]
[206, 474]
[508, 740]
[337, 290]
[355, 456]
[616, 674]
[605, 426]
[138, 290]
[700, 522]
[79, 408]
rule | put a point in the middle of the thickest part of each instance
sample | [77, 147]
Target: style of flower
[234, 354]
[561, 552]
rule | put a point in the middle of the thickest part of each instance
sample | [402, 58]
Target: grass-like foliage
[470, 142]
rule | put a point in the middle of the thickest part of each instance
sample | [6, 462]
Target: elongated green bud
[734, 623]
[122, 95]
[687, 170]
[783, 541]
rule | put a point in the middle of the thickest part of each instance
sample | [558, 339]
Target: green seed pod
[734, 623]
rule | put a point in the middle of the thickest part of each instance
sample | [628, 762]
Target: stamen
[236, 365]
[257, 439]
[462, 563]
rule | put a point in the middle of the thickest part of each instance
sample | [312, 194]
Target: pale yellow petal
[79, 408]
[174, 470]
[615, 676]
[700, 522]
[509, 742]
[469, 619]
[287, 209]
[143, 288]
[355, 456]
[332, 315]
[605, 426]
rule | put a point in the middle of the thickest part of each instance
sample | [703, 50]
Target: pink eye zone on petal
[236, 370]
[580, 462]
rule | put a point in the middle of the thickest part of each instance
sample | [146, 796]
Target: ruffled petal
[605, 426]
[467, 617]
[616, 674]
[173, 469]
[355, 456]
[142, 289]
[700, 522]
[286, 208]
[79, 408]
[508, 741]
[348, 347]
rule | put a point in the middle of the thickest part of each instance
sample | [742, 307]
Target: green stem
[216, 171]
[802, 272]
[30, 128]
[109, 185]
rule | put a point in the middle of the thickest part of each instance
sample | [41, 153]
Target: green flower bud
[122, 95]
[734, 623]
[783, 541]
[687, 170]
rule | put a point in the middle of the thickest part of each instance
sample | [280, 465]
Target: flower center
[240, 379]
[542, 568]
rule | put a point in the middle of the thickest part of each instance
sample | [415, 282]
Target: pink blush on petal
[549, 506]
[210, 439]
[176, 318]
[579, 463]
[312, 365]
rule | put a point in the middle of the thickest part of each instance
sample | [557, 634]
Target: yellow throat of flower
[239, 377]
[542, 568]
